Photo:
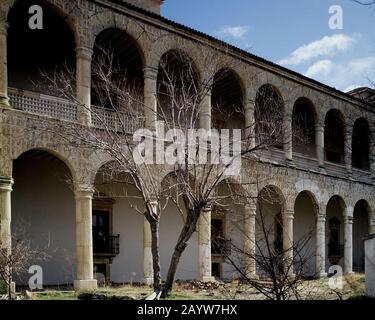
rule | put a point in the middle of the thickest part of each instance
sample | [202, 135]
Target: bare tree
[280, 269]
[16, 262]
[181, 102]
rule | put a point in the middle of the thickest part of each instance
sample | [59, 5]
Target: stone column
[4, 100]
[288, 218]
[249, 108]
[348, 151]
[288, 137]
[148, 270]
[319, 138]
[321, 245]
[150, 97]
[5, 213]
[205, 112]
[83, 76]
[204, 246]
[84, 245]
[249, 245]
[5, 218]
[348, 243]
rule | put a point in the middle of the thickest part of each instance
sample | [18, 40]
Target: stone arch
[334, 136]
[127, 33]
[115, 47]
[49, 54]
[361, 228]
[335, 220]
[178, 77]
[228, 94]
[269, 115]
[269, 226]
[304, 121]
[361, 144]
[58, 154]
[306, 210]
[43, 211]
[64, 8]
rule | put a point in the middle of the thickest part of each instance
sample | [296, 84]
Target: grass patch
[55, 295]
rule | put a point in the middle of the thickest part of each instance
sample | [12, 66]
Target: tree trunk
[154, 224]
[185, 235]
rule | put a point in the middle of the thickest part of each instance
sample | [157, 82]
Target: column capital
[150, 72]
[288, 214]
[321, 218]
[372, 221]
[348, 220]
[6, 184]
[83, 191]
[84, 53]
[319, 128]
[251, 209]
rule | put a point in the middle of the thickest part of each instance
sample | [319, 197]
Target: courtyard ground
[354, 287]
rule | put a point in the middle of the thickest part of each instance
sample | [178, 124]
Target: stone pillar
[288, 218]
[5, 218]
[249, 245]
[150, 97]
[205, 117]
[370, 265]
[4, 100]
[321, 245]
[204, 246]
[319, 138]
[84, 245]
[83, 78]
[348, 151]
[288, 137]
[249, 108]
[348, 244]
[5, 213]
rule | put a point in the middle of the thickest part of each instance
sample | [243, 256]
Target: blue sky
[293, 33]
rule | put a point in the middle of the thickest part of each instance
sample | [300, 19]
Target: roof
[238, 50]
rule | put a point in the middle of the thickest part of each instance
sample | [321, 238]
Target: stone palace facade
[326, 184]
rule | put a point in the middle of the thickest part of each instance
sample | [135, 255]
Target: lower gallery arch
[117, 227]
[360, 230]
[228, 230]
[269, 223]
[43, 211]
[305, 212]
[335, 232]
[171, 222]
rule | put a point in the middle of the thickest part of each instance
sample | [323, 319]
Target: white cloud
[320, 68]
[328, 46]
[344, 76]
[236, 32]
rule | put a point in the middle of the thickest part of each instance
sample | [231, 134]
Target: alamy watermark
[36, 280]
[192, 147]
[336, 20]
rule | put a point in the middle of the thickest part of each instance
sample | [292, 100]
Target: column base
[148, 281]
[349, 273]
[252, 276]
[13, 288]
[85, 285]
[322, 275]
[207, 279]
